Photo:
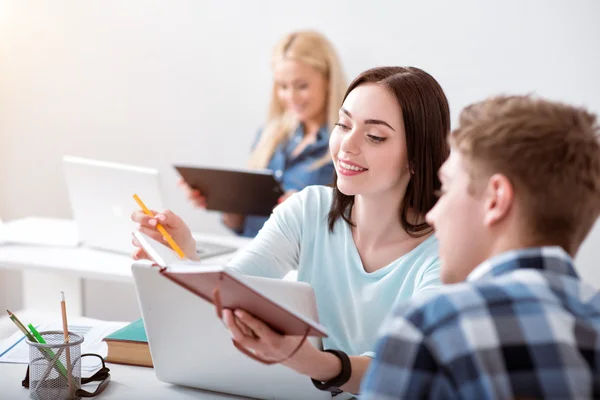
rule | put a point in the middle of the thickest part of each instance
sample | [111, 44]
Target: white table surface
[126, 382]
[89, 263]
[45, 268]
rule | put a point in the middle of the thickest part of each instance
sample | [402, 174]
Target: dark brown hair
[426, 118]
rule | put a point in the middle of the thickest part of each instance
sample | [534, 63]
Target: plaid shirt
[523, 326]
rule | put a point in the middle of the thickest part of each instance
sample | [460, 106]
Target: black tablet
[246, 192]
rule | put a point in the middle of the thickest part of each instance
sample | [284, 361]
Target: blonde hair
[551, 154]
[315, 50]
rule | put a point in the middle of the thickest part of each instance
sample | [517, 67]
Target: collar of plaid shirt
[553, 259]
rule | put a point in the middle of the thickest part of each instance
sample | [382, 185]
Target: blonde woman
[308, 88]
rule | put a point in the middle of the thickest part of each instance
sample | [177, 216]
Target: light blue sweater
[351, 303]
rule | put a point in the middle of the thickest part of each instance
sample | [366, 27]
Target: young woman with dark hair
[362, 245]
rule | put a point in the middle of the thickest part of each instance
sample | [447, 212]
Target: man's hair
[551, 154]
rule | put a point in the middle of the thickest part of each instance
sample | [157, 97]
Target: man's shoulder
[450, 303]
[445, 303]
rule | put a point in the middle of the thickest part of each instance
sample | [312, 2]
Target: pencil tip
[62, 295]
[9, 313]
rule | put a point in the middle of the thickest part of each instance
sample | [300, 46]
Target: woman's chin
[345, 188]
[303, 116]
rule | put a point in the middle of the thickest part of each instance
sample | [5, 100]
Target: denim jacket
[295, 173]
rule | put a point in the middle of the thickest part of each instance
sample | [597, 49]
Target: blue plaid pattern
[522, 326]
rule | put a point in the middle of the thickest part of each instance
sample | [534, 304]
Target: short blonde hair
[315, 50]
[551, 154]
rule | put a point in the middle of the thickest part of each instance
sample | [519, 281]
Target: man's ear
[499, 196]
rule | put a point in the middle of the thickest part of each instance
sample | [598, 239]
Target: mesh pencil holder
[55, 367]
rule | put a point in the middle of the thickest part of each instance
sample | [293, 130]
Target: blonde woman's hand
[172, 223]
[233, 221]
[193, 195]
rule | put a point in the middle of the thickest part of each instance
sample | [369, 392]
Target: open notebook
[160, 254]
[227, 289]
[190, 346]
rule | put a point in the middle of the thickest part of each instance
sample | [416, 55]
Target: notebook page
[158, 252]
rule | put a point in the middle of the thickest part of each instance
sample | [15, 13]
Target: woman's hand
[256, 336]
[193, 195]
[173, 224]
[233, 221]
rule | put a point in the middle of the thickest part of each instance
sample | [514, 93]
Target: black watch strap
[334, 384]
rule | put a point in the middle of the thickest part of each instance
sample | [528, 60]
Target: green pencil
[33, 339]
[37, 335]
[40, 339]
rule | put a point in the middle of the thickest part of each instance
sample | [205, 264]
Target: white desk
[126, 383]
[49, 269]
[89, 263]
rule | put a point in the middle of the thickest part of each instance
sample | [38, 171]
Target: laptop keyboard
[209, 249]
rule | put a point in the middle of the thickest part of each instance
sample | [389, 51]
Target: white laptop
[190, 346]
[101, 198]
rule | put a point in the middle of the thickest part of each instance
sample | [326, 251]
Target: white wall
[156, 82]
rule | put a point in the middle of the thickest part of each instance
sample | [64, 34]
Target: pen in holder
[51, 375]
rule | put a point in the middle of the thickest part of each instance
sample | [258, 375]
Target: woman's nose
[294, 95]
[350, 143]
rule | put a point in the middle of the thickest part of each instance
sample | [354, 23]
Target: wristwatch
[333, 385]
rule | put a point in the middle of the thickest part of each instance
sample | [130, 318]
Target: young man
[520, 192]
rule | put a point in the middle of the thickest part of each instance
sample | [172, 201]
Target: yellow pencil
[160, 228]
[63, 311]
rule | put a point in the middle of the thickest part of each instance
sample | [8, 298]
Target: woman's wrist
[315, 363]
[330, 366]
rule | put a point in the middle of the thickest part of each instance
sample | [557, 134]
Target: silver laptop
[190, 346]
[101, 199]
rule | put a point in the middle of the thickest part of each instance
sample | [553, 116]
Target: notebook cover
[134, 332]
[240, 192]
[235, 294]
